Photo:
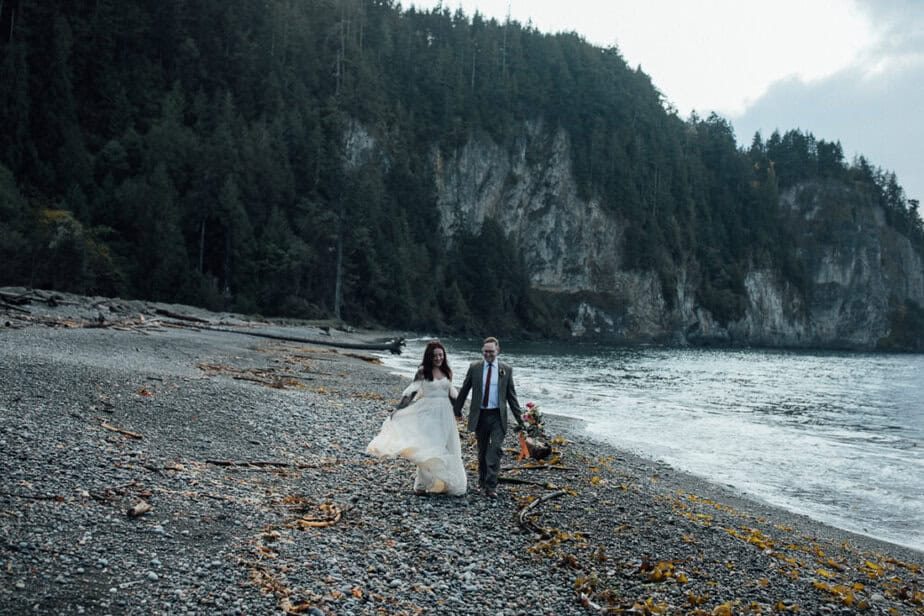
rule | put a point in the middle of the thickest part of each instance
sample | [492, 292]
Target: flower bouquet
[532, 417]
[533, 442]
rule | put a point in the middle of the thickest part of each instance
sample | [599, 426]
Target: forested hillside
[199, 152]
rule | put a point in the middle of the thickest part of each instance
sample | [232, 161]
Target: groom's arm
[463, 394]
[512, 403]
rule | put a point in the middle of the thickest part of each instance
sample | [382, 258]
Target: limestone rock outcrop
[858, 269]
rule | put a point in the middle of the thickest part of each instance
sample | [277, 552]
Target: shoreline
[250, 454]
[574, 427]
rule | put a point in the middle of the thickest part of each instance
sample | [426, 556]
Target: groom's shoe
[490, 493]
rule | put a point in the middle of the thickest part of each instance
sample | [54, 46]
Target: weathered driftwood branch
[11, 306]
[138, 509]
[547, 485]
[32, 496]
[51, 300]
[528, 524]
[14, 299]
[14, 302]
[134, 325]
[112, 428]
[181, 317]
[268, 377]
[261, 463]
[538, 467]
[331, 514]
[275, 383]
[393, 346]
[157, 469]
[256, 465]
[366, 358]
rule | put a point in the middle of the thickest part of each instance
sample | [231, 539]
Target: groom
[491, 384]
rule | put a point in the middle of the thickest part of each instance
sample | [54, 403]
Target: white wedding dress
[425, 433]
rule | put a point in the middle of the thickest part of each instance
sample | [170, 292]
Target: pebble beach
[155, 465]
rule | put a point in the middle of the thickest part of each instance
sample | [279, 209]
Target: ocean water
[835, 436]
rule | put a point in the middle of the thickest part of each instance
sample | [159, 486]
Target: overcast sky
[844, 70]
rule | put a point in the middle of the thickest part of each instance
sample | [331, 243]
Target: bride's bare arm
[409, 394]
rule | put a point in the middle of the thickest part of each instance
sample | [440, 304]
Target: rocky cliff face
[859, 269]
[568, 243]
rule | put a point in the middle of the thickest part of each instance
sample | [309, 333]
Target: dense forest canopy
[195, 152]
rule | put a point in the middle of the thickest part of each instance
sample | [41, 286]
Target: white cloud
[876, 114]
[872, 106]
[708, 55]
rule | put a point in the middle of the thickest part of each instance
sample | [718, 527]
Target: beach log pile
[140, 316]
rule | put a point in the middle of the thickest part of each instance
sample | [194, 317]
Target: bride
[424, 431]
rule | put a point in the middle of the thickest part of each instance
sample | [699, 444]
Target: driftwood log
[112, 428]
[138, 509]
[51, 300]
[11, 306]
[181, 317]
[260, 463]
[265, 464]
[548, 485]
[525, 522]
[393, 346]
[538, 467]
[331, 513]
[12, 302]
[17, 300]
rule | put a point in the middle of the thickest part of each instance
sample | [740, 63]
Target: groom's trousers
[490, 435]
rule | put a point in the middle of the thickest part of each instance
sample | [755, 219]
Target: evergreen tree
[199, 151]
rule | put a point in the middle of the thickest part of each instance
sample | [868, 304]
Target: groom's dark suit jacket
[506, 394]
